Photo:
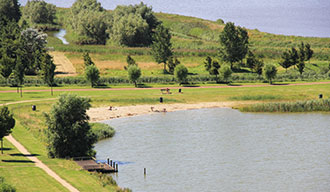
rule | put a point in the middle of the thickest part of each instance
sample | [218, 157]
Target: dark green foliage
[212, 66]
[299, 106]
[181, 73]
[270, 72]
[225, 72]
[234, 42]
[134, 73]
[69, 134]
[102, 131]
[10, 10]
[48, 69]
[7, 65]
[162, 47]
[253, 63]
[133, 25]
[7, 122]
[308, 52]
[172, 63]
[130, 61]
[87, 59]
[39, 12]
[92, 74]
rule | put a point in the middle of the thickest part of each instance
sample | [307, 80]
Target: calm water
[288, 17]
[61, 35]
[221, 150]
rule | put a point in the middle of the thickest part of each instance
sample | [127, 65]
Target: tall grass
[102, 131]
[255, 97]
[298, 106]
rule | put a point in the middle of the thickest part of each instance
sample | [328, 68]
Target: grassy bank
[320, 105]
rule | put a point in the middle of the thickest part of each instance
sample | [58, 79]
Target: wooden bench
[165, 91]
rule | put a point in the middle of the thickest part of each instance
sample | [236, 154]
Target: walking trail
[37, 162]
[64, 66]
[41, 165]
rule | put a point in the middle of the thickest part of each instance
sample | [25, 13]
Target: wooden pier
[90, 164]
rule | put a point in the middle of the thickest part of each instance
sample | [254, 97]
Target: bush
[102, 131]
[181, 73]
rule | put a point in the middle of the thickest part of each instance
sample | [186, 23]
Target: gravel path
[64, 66]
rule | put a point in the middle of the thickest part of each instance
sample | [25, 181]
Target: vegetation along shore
[132, 61]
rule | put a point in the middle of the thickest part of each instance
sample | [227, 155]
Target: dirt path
[39, 164]
[202, 87]
[64, 66]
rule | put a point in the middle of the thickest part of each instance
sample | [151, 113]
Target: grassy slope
[193, 39]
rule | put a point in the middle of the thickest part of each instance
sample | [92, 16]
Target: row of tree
[22, 50]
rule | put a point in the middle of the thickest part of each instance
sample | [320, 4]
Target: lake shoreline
[104, 113]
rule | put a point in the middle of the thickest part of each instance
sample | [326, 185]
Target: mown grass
[255, 97]
[321, 105]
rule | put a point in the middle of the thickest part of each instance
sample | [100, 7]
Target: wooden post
[108, 161]
[116, 167]
[145, 171]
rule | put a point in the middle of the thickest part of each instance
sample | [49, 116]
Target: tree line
[22, 50]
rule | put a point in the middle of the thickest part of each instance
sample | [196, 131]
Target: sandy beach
[104, 113]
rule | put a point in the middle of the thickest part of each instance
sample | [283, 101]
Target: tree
[92, 74]
[234, 42]
[90, 22]
[226, 72]
[302, 57]
[301, 67]
[7, 122]
[87, 60]
[162, 47]
[308, 52]
[39, 12]
[258, 67]
[10, 10]
[133, 25]
[69, 133]
[212, 66]
[181, 73]
[130, 61]
[134, 73]
[172, 63]
[18, 74]
[270, 72]
[48, 70]
[289, 58]
[33, 45]
[7, 65]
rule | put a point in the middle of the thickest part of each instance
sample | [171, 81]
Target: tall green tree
[212, 66]
[270, 72]
[181, 73]
[39, 12]
[234, 44]
[172, 63]
[92, 74]
[7, 122]
[130, 61]
[134, 73]
[289, 58]
[7, 65]
[10, 10]
[133, 25]
[162, 47]
[87, 59]
[48, 70]
[69, 133]
[226, 72]
[308, 52]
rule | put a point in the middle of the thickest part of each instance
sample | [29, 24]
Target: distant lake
[221, 149]
[288, 17]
